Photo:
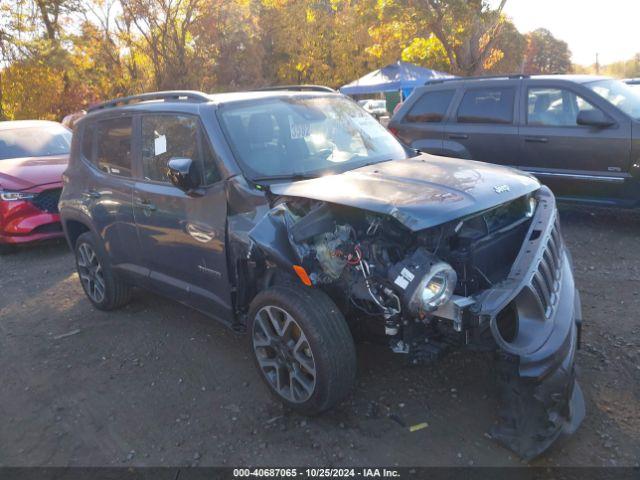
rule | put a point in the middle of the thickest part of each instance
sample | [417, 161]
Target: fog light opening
[508, 323]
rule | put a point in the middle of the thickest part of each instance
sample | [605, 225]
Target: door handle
[146, 204]
[458, 136]
[536, 139]
[91, 194]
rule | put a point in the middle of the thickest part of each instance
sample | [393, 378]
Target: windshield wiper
[368, 164]
[291, 176]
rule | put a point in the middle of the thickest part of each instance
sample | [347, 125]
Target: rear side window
[431, 107]
[113, 146]
[487, 105]
[174, 136]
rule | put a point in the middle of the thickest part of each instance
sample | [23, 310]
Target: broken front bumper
[535, 318]
[540, 397]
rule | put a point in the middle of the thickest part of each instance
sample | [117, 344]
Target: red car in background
[33, 155]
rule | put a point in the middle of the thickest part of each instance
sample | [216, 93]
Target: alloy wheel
[284, 354]
[91, 273]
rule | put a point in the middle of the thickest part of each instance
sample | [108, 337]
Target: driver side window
[174, 136]
[165, 137]
[554, 107]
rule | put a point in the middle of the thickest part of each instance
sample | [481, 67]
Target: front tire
[302, 347]
[103, 288]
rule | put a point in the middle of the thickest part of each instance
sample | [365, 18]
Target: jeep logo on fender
[502, 188]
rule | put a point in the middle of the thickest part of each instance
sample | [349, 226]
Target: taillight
[394, 131]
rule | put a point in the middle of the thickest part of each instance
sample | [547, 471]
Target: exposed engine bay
[498, 281]
[418, 287]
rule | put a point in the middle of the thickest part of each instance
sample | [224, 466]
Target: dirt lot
[157, 384]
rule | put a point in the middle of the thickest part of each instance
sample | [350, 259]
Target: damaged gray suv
[292, 215]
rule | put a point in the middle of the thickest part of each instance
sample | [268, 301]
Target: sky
[610, 28]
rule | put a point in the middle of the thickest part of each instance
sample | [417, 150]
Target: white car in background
[377, 108]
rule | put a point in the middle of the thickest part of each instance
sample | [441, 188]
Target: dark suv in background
[296, 217]
[580, 135]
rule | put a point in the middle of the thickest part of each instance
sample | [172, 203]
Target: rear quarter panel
[111, 215]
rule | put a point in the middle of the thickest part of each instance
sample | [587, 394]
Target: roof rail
[170, 95]
[479, 77]
[297, 88]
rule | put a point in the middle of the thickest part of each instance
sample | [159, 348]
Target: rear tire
[101, 285]
[303, 347]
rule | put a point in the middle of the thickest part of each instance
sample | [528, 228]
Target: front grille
[47, 201]
[545, 281]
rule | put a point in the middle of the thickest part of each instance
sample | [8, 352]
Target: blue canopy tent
[399, 76]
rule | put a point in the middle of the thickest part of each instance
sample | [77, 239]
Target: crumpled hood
[30, 172]
[420, 192]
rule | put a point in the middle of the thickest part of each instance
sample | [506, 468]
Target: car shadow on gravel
[38, 249]
[606, 265]
[599, 217]
[156, 383]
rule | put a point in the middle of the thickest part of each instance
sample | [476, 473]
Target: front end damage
[498, 280]
[535, 318]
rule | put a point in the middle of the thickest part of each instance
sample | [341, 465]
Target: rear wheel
[103, 288]
[303, 347]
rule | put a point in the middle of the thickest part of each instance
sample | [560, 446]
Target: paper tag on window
[160, 145]
[299, 130]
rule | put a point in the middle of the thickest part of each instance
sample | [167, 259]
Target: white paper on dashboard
[160, 144]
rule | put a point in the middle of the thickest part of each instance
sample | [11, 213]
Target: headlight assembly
[15, 196]
[532, 203]
[435, 288]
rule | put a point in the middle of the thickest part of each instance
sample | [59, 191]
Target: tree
[467, 29]
[428, 52]
[33, 90]
[512, 45]
[70, 53]
[624, 69]
[229, 45]
[545, 54]
[323, 41]
[165, 27]
[36, 78]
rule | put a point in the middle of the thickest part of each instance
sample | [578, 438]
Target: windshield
[38, 141]
[305, 136]
[620, 94]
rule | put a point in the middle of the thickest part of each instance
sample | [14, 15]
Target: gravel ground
[158, 384]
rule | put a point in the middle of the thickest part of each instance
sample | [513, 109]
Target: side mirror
[594, 118]
[183, 173]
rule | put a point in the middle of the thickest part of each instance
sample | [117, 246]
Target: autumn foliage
[58, 56]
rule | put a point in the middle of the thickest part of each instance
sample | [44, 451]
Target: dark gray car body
[213, 251]
[579, 163]
[164, 239]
